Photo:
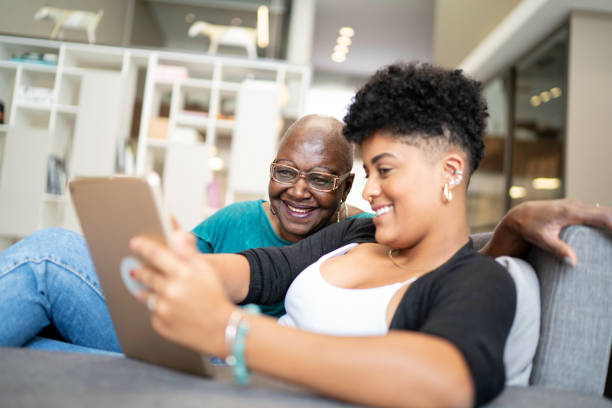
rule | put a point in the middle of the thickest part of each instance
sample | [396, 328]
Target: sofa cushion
[37, 378]
[525, 331]
[541, 397]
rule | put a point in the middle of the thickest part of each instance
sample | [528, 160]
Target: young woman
[406, 314]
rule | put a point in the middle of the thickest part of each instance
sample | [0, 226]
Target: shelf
[34, 67]
[33, 106]
[72, 71]
[98, 59]
[196, 83]
[192, 83]
[174, 107]
[8, 65]
[196, 121]
[229, 86]
[67, 109]
[158, 143]
[54, 198]
[164, 143]
[225, 124]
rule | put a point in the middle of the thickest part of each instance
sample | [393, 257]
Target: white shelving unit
[196, 108]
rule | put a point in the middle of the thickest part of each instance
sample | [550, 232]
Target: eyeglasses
[324, 182]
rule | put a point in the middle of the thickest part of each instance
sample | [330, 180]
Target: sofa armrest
[576, 331]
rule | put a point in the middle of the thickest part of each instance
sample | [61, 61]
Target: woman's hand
[540, 223]
[188, 304]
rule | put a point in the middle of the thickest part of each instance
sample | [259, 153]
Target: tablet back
[111, 211]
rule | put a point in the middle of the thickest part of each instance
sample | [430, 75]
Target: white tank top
[315, 305]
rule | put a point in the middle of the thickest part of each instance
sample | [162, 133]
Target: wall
[17, 18]
[589, 122]
[459, 26]
[144, 31]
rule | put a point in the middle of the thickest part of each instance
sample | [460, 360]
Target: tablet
[111, 211]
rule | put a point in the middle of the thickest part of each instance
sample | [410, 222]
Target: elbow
[448, 380]
[456, 391]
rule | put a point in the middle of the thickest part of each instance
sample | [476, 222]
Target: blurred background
[200, 91]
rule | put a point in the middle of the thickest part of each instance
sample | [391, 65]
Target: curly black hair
[420, 102]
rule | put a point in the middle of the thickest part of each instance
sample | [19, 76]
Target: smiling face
[300, 209]
[404, 186]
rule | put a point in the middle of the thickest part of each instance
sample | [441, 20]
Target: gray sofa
[570, 366]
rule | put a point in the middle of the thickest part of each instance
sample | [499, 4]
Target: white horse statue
[71, 19]
[226, 35]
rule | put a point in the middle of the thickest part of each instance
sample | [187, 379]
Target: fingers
[155, 254]
[563, 252]
[151, 279]
[174, 222]
[600, 217]
[184, 244]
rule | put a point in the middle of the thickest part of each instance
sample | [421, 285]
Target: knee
[50, 240]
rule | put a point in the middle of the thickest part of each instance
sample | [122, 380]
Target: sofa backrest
[576, 330]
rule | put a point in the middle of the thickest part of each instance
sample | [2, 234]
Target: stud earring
[455, 181]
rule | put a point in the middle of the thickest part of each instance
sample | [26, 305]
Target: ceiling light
[535, 101]
[545, 96]
[344, 41]
[263, 31]
[555, 92]
[544, 183]
[337, 57]
[346, 32]
[341, 49]
[517, 192]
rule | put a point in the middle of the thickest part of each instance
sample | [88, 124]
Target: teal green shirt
[241, 226]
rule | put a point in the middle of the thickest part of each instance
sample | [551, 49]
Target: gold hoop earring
[272, 210]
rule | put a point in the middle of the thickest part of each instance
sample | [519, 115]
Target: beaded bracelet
[235, 335]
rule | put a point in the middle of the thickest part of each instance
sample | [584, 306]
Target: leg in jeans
[49, 278]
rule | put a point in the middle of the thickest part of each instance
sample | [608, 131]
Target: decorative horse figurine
[71, 19]
[226, 35]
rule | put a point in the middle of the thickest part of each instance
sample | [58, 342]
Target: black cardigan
[470, 300]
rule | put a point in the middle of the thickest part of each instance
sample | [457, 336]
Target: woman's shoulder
[355, 212]
[469, 270]
[238, 212]
[468, 258]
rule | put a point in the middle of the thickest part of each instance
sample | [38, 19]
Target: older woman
[402, 311]
[313, 148]
[48, 278]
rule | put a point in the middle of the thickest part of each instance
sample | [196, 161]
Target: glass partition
[487, 192]
[539, 122]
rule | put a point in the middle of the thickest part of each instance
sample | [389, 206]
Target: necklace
[393, 261]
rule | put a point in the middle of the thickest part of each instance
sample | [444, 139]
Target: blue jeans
[49, 278]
